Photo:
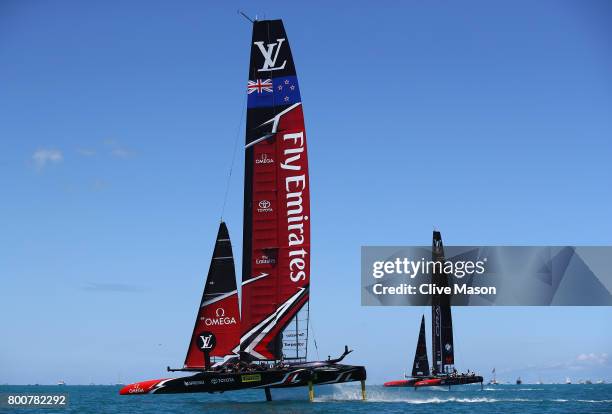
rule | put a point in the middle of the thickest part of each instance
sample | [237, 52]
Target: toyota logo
[264, 204]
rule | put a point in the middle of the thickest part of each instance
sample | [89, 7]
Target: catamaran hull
[401, 383]
[212, 382]
[435, 381]
[448, 381]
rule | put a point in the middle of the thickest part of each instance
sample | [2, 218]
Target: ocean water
[523, 399]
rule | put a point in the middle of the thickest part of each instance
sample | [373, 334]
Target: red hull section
[428, 382]
[399, 383]
[143, 387]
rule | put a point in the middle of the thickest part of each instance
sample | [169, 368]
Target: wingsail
[443, 354]
[420, 367]
[276, 242]
[217, 328]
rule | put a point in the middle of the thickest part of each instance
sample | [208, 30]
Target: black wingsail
[443, 355]
[420, 367]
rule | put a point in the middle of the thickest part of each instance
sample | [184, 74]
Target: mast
[420, 367]
[276, 239]
[216, 332]
[443, 357]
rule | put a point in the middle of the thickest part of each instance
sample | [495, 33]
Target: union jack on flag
[259, 85]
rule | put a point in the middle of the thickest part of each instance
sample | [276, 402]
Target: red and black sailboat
[443, 372]
[264, 345]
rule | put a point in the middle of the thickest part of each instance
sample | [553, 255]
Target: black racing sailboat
[263, 344]
[443, 370]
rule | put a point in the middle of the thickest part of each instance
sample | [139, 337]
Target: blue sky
[488, 120]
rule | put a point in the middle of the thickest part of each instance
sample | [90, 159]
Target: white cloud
[584, 361]
[593, 358]
[42, 157]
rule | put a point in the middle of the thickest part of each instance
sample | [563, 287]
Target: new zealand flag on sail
[273, 92]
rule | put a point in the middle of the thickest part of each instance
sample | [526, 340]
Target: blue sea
[523, 399]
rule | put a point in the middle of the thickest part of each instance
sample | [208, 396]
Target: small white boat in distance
[493, 381]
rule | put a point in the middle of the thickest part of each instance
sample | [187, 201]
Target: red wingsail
[217, 328]
[276, 251]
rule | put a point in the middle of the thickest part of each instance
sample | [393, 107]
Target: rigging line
[247, 17]
[314, 335]
[455, 342]
[229, 177]
[307, 320]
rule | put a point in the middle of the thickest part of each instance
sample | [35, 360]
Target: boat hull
[213, 382]
[461, 380]
[401, 383]
[435, 381]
